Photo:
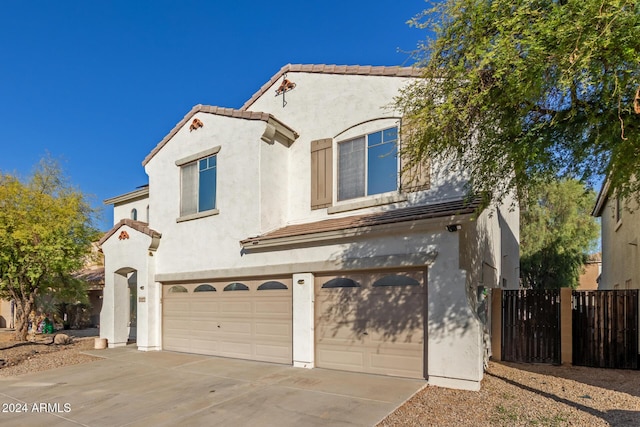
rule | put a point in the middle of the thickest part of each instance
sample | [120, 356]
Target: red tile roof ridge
[211, 109]
[140, 226]
[362, 70]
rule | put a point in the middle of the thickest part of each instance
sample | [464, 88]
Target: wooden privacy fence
[587, 328]
[531, 326]
[605, 329]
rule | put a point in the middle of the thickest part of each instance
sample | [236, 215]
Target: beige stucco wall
[123, 210]
[620, 252]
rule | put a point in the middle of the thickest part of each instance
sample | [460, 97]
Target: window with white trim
[368, 164]
[198, 192]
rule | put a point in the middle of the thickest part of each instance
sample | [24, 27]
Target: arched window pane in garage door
[341, 282]
[236, 286]
[272, 285]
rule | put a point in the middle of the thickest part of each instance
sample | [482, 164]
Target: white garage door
[372, 322]
[246, 319]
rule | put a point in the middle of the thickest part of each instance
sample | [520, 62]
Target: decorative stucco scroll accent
[195, 125]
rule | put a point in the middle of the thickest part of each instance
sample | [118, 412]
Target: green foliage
[520, 91]
[45, 233]
[556, 234]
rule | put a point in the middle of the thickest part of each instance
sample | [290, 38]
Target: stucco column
[454, 347]
[149, 310]
[303, 321]
[107, 311]
[496, 324]
[115, 309]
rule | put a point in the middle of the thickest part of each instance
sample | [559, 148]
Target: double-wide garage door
[371, 322]
[246, 319]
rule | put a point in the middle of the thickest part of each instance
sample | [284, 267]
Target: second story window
[198, 186]
[368, 164]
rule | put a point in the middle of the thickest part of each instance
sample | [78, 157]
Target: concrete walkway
[133, 388]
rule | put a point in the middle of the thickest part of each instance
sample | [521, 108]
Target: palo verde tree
[45, 234]
[519, 91]
[557, 232]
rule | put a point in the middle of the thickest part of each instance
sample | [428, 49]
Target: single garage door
[245, 319]
[372, 322]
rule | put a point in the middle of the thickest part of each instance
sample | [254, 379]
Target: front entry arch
[125, 306]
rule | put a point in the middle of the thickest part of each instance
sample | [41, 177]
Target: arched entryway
[126, 297]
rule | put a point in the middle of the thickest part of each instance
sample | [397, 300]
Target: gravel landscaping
[530, 395]
[512, 394]
[41, 354]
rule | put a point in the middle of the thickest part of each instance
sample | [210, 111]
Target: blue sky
[97, 84]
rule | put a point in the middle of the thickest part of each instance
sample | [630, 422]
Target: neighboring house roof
[93, 275]
[360, 70]
[140, 226]
[594, 258]
[140, 193]
[437, 210]
[227, 112]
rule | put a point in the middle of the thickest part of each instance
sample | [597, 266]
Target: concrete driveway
[133, 388]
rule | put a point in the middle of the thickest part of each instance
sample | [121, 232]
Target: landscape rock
[62, 339]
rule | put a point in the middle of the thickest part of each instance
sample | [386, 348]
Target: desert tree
[557, 233]
[45, 235]
[524, 91]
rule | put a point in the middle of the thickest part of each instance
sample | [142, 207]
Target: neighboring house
[7, 314]
[94, 277]
[590, 276]
[620, 233]
[290, 231]
[92, 274]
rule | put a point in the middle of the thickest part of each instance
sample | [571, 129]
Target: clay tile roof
[437, 210]
[140, 226]
[220, 111]
[91, 275]
[361, 70]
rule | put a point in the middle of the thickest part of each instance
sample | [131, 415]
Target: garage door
[246, 319]
[371, 322]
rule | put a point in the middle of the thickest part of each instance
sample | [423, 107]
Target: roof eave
[393, 71]
[601, 201]
[283, 131]
[127, 197]
[333, 235]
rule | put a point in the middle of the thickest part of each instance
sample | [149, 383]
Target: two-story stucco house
[620, 234]
[289, 231]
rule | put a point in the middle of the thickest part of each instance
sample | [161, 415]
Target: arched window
[272, 285]
[134, 214]
[396, 280]
[177, 289]
[341, 282]
[205, 288]
[236, 286]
